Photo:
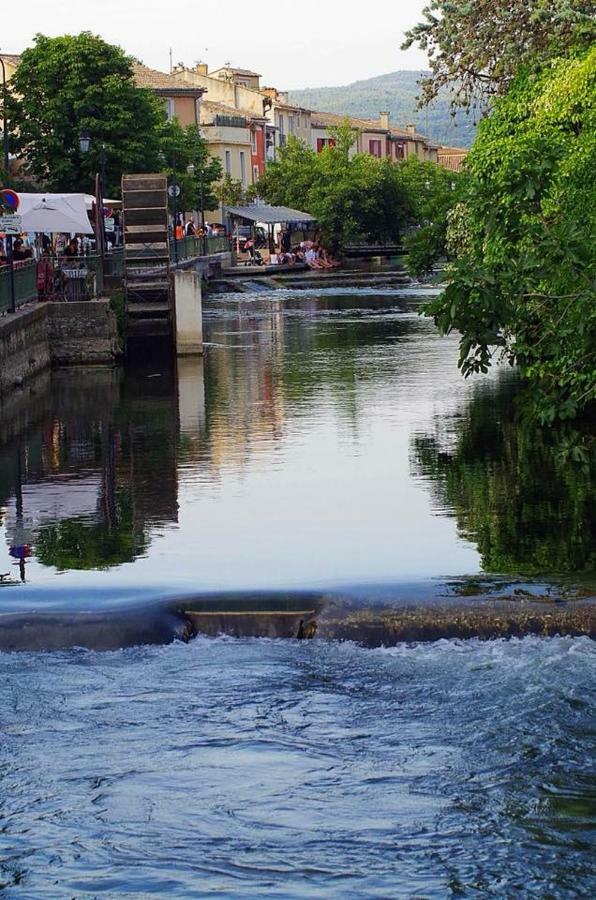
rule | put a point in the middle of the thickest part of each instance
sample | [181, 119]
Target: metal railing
[189, 247]
[25, 284]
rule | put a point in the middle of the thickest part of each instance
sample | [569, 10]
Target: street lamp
[84, 142]
[100, 177]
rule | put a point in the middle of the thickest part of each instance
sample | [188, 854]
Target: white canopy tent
[54, 212]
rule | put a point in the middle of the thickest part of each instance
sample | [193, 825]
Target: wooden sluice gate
[147, 276]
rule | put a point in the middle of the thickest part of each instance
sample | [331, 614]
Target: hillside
[395, 92]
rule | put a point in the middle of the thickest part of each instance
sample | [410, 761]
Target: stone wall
[24, 346]
[82, 333]
[47, 334]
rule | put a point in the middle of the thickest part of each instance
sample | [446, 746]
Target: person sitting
[20, 252]
[72, 248]
[312, 258]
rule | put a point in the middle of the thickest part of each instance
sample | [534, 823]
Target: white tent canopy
[54, 212]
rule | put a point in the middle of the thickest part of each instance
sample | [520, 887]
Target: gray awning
[270, 215]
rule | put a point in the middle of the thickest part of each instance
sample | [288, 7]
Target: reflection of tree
[78, 543]
[528, 508]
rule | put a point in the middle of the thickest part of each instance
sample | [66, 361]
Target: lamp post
[6, 163]
[100, 234]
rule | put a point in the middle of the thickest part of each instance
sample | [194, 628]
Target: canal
[326, 444]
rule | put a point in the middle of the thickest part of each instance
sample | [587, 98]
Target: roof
[13, 59]
[270, 215]
[235, 71]
[162, 81]
[323, 119]
[453, 151]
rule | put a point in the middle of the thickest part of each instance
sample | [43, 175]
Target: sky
[291, 44]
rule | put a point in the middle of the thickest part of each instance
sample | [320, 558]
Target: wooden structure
[147, 277]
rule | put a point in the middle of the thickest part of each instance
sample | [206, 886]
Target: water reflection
[284, 458]
[91, 469]
[528, 508]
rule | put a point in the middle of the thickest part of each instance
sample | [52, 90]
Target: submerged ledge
[382, 620]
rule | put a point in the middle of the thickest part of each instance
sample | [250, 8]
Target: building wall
[227, 92]
[185, 109]
[258, 152]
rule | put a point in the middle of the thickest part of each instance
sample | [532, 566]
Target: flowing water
[326, 440]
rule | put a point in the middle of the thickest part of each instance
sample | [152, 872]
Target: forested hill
[397, 93]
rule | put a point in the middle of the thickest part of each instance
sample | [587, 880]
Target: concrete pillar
[189, 313]
[191, 395]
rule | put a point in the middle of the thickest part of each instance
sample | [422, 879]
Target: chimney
[269, 92]
[202, 69]
[411, 129]
[384, 120]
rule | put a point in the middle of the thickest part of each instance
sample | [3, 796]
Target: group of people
[62, 245]
[189, 229]
[310, 252]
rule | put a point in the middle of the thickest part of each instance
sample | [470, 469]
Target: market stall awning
[54, 212]
[270, 215]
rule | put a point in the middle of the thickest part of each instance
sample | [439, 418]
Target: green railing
[192, 246]
[25, 284]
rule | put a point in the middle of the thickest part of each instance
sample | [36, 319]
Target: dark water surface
[322, 441]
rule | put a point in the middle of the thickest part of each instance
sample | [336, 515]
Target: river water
[326, 440]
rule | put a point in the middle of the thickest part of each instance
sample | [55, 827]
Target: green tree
[433, 191]
[231, 192]
[524, 283]
[185, 147]
[352, 196]
[475, 48]
[71, 84]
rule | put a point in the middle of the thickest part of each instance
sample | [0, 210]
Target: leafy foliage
[523, 493]
[525, 278]
[476, 48]
[182, 148]
[70, 84]
[353, 197]
[433, 192]
[231, 192]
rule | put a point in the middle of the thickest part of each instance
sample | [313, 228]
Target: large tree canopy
[475, 48]
[352, 197]
[70, 84]
[525, 278]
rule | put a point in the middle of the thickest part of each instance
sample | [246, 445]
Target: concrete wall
[189, 314]
[55, 333]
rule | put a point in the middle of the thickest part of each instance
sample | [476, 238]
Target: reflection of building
[247, 413]
[90, 479]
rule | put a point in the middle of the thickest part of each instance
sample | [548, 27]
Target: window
[325, 142]
[242, 166]
[228, 162]
[253, 140]
[400, 150]
[290, 124]
[374, 148]
[170, 108]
